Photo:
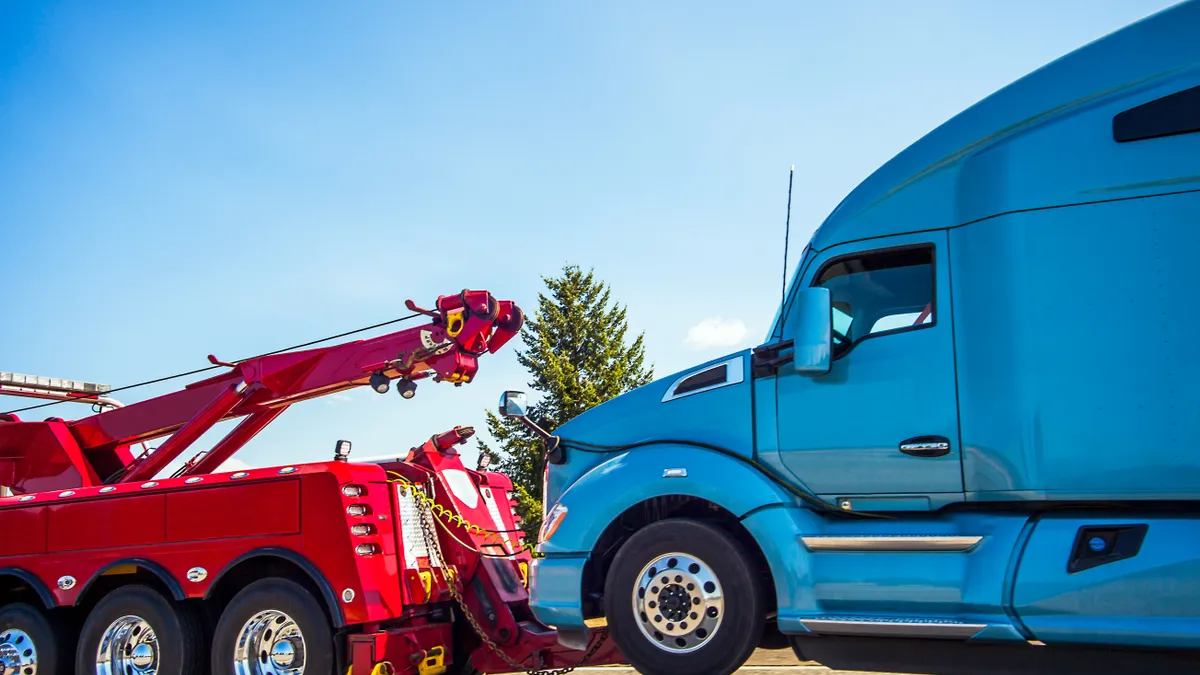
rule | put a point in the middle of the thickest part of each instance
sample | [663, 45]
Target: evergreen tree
[576, 352]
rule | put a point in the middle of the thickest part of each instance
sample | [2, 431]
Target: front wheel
[682, 598]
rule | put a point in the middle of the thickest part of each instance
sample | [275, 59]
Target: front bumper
[556, 590]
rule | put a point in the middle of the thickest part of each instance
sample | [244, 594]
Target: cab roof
[1048, 139]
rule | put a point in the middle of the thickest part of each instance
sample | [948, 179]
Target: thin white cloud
[715, 332]
[335, 399]
[232, 464]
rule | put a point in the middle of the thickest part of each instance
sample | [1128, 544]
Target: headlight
[551, 521]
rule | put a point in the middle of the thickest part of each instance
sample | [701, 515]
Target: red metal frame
[54, 454]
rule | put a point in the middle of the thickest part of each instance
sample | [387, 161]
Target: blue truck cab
[971, 440]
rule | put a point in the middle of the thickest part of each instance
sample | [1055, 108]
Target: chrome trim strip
[919, 447]
[734, 374]
[872, 544]
[898, 628]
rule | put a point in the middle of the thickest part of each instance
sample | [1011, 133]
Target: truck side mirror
[813, 342]
[513, 404]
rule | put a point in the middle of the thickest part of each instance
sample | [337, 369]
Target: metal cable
[205, 370]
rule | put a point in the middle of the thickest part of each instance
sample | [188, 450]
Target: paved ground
[780, 662]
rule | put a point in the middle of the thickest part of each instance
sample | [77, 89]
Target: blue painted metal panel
[629, 478]
[555, 588]
[958, 586]
[722, 416]
[840, 433]
[776, 530]
[965, 586]
[1152, 599]
[1077, 381]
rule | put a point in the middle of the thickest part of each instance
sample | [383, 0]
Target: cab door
[884, 419]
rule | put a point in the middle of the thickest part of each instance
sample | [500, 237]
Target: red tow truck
[412, 564]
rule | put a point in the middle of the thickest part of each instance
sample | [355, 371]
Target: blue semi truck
[971, 440]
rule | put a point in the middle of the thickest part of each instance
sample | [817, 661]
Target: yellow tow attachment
[454, 323]
[434, 662]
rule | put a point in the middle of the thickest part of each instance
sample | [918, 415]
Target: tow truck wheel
[273, 627]
[28, 643]
[681, 598]
[135, 631]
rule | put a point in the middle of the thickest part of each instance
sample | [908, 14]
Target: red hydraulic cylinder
[179, 441]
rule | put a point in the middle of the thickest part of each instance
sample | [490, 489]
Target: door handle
[926, 446]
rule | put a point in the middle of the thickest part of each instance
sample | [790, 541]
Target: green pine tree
[576, 352]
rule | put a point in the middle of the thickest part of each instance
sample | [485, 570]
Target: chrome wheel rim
[270, 643]
[18, 654]
[128, 647]
[678, 603]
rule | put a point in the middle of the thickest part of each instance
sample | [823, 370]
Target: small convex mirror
[512, 404]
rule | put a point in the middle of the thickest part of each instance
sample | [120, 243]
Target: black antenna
[787, 228]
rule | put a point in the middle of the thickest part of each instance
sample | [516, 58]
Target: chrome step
[892, 627]
[891, 543]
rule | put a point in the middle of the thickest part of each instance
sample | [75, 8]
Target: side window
[879, 292]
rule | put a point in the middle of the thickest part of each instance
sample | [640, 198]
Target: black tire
[730, 643]
[280, 596]
[37, 639]
[178, 635]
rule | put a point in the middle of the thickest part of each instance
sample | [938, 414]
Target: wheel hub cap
[283, 654]
[127, 647]
[678, 602]
[270, 643]
[18, 655]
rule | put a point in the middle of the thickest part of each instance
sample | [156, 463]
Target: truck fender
[42, 591]
[150, 566]
[631, 477]
[318, 579]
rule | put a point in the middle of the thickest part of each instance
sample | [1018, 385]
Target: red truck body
[89, 519]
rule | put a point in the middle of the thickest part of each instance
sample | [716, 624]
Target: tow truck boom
[55, 454]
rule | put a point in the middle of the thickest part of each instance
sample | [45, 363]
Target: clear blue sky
[240, 176]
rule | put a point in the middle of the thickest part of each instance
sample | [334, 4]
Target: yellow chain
[452, 518]
[435, 547]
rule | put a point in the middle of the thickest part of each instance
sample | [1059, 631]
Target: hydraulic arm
[55, 454]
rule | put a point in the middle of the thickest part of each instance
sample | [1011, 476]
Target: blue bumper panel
[556, 587]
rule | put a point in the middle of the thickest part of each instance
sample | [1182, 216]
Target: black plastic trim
[1122, 542]
[710, 377]
[43, 591]
[765, 360]
[1171, 115]
[327, 594]
[150, 566]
